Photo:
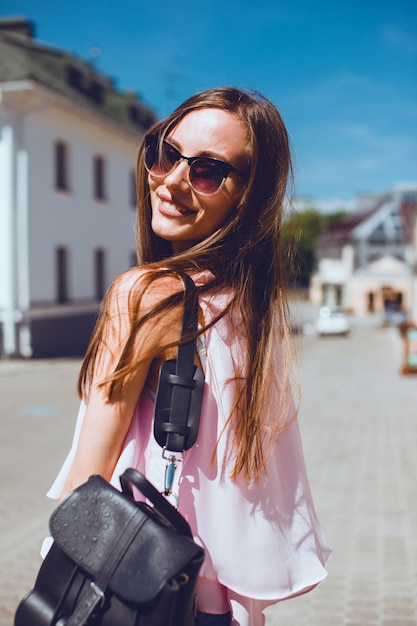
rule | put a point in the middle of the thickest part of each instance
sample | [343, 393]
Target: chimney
[18, 25]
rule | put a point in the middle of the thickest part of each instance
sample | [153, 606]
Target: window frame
[61, 164]
[62, 281]
[99, 177]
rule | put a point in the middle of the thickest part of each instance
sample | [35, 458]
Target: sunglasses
[206, 175]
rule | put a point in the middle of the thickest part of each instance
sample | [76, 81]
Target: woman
[215, 214]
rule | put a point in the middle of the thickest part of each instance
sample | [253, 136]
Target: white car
[332, 321]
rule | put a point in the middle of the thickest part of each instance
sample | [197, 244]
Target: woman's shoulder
[150, 285]
[143, 276]
[147, 287]
[139, 298]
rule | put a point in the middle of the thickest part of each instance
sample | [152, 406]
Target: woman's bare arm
[106, 423]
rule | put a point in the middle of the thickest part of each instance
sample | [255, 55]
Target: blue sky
[343, 73]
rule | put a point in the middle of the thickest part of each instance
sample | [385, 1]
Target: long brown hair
[246, 255]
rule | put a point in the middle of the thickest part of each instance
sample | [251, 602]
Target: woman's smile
[172, 208]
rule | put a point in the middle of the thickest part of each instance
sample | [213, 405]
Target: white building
[68, 143]
[364, 260]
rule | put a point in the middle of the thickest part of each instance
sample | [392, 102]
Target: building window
[99, 173]
[99, 273]
[61, 166]
[140, 116]
[96, 92]
[61, 264]
[75, 78]
[132, 188]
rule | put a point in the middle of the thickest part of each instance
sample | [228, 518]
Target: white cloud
[405, 42]
[344, 86]
[356, 157]
[377, 146]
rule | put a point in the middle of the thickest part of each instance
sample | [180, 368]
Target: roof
[23, 58]
[340, 233]
[409, 215]
[345, 230]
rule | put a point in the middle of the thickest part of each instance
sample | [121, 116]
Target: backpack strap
[180, 386]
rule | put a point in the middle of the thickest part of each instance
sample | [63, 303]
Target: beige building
[364, 262]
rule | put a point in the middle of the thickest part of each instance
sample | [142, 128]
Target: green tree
[300, 232]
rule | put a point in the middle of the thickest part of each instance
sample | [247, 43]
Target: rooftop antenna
[172, 77]
[95, 54]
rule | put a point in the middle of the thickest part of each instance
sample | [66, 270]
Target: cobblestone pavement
[37, 408]
[359, 427]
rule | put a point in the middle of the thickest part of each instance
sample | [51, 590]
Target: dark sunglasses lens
[206, 176]
[159, 163]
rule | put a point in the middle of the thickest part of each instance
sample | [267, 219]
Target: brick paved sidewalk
[359, 427]
[37, 408]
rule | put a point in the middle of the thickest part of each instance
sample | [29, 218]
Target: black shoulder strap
[180, 386]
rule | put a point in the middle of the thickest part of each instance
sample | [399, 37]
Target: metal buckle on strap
[99, 593]
[169, 456]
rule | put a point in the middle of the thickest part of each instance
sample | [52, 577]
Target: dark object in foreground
[115, 561]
